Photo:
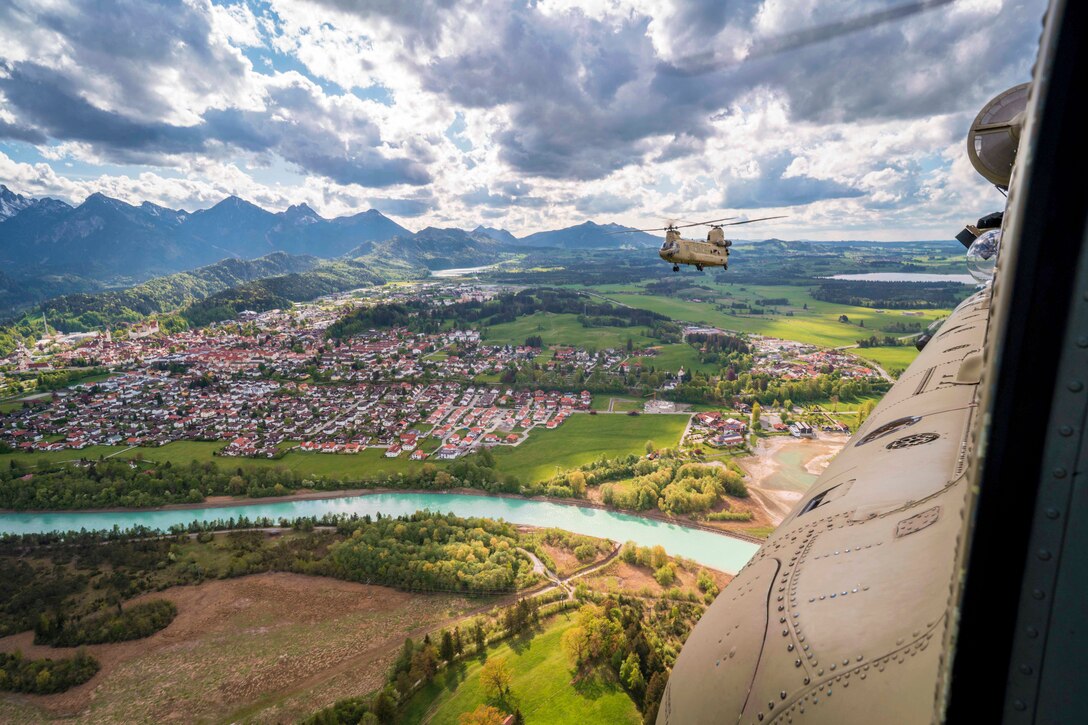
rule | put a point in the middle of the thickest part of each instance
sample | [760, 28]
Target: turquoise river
[714, 550]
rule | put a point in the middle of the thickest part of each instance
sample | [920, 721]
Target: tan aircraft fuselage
[714, 252]
[846, 613]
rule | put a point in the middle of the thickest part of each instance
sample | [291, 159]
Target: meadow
[678, 355]
[585, 438]
[541, 687]
[564, 329]
[804, 319]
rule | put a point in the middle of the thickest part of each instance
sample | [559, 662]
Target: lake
[460, 271]
[714, 550]
[906, 277]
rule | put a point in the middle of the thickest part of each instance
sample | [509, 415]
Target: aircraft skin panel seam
[763, 644]
[864, 666]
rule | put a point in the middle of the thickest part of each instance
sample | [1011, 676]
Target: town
[267, 383]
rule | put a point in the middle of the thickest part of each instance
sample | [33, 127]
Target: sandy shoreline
[763, 466]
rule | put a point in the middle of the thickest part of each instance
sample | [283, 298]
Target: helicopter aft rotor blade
[701, 63]
[673, 226]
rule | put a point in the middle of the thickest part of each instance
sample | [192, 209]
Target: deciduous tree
[482, 715]
[495, 678]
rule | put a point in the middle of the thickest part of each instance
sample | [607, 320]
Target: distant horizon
[481, 224]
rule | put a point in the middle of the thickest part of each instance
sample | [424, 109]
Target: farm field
[541, 687]
[585, 438]
[564, 329]
[581, 439]
[243, 649]
[818, 325]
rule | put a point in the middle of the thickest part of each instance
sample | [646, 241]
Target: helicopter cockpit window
[669, 245]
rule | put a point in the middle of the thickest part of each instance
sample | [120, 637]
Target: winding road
[564, 584]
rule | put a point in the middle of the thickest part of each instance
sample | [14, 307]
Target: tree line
[49, 578]
[892, 295]
[45, 676]
[135, 622]
[114, 482]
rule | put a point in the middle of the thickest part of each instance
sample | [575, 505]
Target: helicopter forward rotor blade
[750, 221]
[632, 231]
[701, 63]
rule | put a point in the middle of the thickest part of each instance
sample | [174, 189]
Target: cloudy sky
[523, 115]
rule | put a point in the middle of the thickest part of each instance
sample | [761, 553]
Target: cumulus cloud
[215, 106]
[604, 203]
[773, 186]
[558, 110]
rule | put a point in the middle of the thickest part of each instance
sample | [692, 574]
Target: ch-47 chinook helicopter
[937, 571]
[712, 252]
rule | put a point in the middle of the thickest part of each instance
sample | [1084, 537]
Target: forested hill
[433, 248]
[506, 307]
[279, 292]
[79, 312]
[209, 294]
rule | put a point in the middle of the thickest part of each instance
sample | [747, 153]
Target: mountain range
[589, 235]
[112, 241]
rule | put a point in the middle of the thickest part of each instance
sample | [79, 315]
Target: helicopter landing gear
[699, 267]
[676, 268]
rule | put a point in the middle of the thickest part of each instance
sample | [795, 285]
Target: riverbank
[218, 502]
[781, 470]
[710, 547]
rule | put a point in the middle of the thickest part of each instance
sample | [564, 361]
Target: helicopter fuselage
[714, 252]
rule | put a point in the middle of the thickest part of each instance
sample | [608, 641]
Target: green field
[889, 358]
[366, 465]
[585, 438]
[679, 355]
[542, 687]
[819, 324]
[581, 439]
[564, 329]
